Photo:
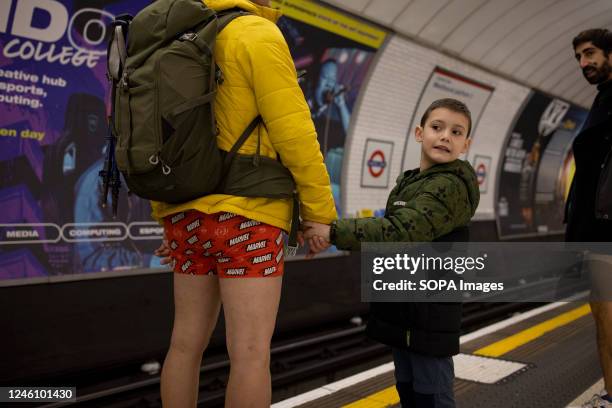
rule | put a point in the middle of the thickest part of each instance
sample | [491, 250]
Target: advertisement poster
[333, 53]
[537, 168]
[53, 104]
[445, 84]
[53, 95]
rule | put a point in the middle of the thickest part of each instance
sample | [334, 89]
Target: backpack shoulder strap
[230, 155]
[203, 37]
[226, 16]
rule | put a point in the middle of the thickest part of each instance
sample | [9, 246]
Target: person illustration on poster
[549, 122]
[331, 116]
[93, 256]
[72, 191]
[64, 161]
[526, 186]
[328, 106]
[331, 70]
[72, 154]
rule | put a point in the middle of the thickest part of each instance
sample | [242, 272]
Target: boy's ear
[466, 144]
[418, 134]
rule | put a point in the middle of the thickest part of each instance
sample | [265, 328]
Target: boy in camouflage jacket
[427, 204]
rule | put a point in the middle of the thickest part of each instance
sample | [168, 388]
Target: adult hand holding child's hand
[317, 235]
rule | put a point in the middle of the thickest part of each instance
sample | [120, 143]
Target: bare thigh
[600, 273]
[250, 306]
[196, 309]
[602, 312]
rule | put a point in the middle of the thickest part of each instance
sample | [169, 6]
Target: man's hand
[164, 251]
[312, 229]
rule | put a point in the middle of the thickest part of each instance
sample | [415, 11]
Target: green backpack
[164, 135]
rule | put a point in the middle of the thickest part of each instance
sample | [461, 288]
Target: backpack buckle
[124, 82]
[188, 37]
[218, 76]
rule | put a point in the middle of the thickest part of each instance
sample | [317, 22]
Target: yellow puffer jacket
[260, 77]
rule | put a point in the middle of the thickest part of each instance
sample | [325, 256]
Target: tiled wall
[385, 113]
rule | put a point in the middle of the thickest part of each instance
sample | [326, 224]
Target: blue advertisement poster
[53, 115]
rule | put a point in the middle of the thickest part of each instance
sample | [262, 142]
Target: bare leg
[196, 304]
[250, 306]
[602, 313]
[600, 267]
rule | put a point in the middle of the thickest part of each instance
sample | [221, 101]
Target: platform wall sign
[376, 163]
[482, 167]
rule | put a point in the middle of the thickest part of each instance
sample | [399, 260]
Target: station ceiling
[529, 41]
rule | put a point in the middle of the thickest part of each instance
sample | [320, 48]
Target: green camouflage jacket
[420, 208]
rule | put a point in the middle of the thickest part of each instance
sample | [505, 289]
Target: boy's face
[443, 138]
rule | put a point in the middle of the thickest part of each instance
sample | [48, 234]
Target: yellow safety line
[385, 398]
[389, 397]
[508, 344]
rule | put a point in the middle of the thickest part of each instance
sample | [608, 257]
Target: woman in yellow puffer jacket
[242, 264]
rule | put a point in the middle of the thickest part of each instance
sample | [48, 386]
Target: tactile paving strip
[565, 363]
[486, 370]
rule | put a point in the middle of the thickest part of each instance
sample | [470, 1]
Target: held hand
[317, 244]
[312, 228]
[301, 242]
[317, 235]
[164, 251]
[314, 247]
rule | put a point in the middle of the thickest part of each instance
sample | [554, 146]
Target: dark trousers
[424, 381]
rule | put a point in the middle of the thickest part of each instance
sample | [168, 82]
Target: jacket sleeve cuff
[342, 234]
[332, 231]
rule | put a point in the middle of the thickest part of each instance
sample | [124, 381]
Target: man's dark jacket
[588, 212]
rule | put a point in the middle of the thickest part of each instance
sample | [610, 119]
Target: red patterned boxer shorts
[224, 244]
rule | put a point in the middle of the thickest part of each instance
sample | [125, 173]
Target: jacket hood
[246, 5]
[459, 168]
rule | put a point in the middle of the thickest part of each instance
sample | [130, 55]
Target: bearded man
[589, 205]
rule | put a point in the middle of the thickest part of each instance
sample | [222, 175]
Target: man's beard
[601, 74]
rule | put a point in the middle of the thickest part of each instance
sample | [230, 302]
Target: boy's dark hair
[600, 37]
[450, 104]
